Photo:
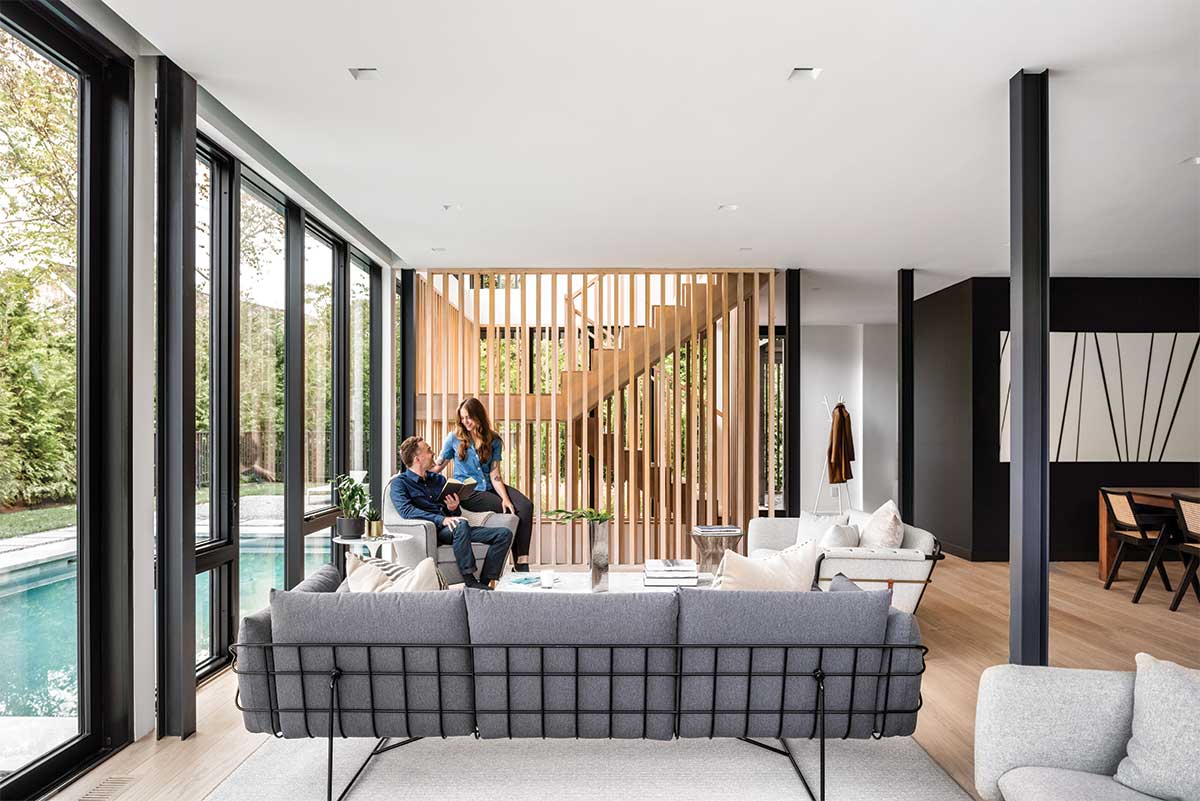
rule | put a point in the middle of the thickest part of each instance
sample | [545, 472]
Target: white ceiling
[603, 134]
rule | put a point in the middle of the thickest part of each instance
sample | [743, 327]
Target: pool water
[38, 626]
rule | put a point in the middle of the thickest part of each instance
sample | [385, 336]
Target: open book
[464, 489]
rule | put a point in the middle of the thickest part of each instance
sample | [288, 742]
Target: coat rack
[839, 489]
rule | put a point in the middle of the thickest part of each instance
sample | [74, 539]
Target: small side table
[712, 545]
[374, 546]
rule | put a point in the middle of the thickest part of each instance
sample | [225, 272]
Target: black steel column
[375, 399]
[792, 490]
[906, 445]
[176, 439]
[406, 357]
[1029, 620]
[293, 399]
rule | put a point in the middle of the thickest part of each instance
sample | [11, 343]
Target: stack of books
[671, 573]
[715, 531]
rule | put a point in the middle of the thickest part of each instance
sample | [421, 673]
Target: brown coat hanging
[841, 446]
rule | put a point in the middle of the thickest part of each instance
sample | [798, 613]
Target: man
[415, 493]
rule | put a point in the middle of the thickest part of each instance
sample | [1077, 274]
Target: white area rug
[896, 769]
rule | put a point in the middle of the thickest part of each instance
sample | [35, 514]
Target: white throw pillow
[810, 527]
[1161, 757]
[422, 578]
[790, 569]
[839, 536]
[362, 576]
[884, 529]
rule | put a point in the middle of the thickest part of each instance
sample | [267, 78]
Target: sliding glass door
[64, 398]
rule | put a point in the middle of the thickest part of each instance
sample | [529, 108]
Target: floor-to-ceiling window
[261, 274]
[64, 239]
[319, 459]
[360, 367]
[204, 441]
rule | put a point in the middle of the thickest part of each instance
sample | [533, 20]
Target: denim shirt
[471, 467]
[416, 497]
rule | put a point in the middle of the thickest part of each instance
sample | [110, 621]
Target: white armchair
[424, 540]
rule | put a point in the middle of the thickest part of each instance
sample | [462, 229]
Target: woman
[475, 450]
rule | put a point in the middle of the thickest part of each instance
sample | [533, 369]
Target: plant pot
[374, 529]
[598, 555]
[350, 528]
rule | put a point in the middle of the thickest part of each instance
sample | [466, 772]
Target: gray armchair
[1052, 734]
[424, 541]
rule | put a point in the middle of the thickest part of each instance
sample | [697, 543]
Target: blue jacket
[416, 497]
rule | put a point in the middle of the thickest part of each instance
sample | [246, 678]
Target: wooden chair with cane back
[1138, 529]
[1187, 510]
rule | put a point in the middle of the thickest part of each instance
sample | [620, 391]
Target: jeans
[489, 501]
[460, 540]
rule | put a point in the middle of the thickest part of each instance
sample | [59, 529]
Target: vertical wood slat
[491, 345]
[739, 387]
[585, 358]
[555, 372]
[771, 428]
[677, 421]
[647, 482]
[618, 413]
[462, 340]
[428, 311]
[693, 427]
[660, 404]
[505, 365]
[754, 441]
[443, 331]
[569, 468]
[539, 437]
[524, 390]
[709, 399]
[631, 499]
[598, 486]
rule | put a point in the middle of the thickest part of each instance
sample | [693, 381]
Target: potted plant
[352, 500]
[597, 540]
[374, 523]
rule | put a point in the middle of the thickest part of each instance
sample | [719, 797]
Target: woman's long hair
[483, 429]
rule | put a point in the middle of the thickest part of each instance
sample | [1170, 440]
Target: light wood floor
[964, 620]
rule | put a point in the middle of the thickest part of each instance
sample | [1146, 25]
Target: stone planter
[598, 555]
[351, 528]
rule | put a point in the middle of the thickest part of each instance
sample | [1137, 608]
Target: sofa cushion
[368, 574]
[840, 536]
[513, 707]
[380, 619]
[777, 618]
[1059, 784]
[1163, 755]
[810, 527]
[790, 569]
[324, 579]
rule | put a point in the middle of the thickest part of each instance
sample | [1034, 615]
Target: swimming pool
[38, 673]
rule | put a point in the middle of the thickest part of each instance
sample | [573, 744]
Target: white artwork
[1117, 397]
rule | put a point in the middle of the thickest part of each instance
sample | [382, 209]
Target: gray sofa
[1052, 734]
[694, 663]
[424, 542]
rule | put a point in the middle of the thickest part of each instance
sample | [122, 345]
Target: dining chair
[1138, 529]
[1187, 509]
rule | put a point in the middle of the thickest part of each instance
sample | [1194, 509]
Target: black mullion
[406, 358]
[793, 493]
[176, 439]
[293, 469]
[340, 372]
[375, 398]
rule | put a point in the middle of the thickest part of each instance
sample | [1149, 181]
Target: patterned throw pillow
[371, 574]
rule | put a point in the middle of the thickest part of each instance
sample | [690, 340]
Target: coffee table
[581, 581]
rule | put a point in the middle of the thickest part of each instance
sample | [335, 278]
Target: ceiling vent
[364, 73]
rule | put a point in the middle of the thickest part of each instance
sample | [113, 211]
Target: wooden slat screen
[653, 395]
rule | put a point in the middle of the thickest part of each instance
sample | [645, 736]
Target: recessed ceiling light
[745, 250]
[364, 73]
[811, 73]
[451, 207]
[438, 250]
[727, 207]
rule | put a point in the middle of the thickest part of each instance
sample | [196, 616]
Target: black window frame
[104, 389]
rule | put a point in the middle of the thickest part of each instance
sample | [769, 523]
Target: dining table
[1159, 497]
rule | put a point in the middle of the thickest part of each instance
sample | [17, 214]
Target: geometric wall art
[1117, 397]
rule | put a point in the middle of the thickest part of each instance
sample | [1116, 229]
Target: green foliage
[352, 496]
[588, 513]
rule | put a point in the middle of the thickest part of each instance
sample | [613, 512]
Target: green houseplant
[352, 500]
[597, 523]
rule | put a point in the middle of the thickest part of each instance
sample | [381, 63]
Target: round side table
[712, 545]
[375, 546]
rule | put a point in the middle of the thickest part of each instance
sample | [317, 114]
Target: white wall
[858, 363]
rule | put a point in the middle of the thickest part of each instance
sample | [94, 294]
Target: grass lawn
[31, 521]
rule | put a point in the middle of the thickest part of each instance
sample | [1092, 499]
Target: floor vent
[110, 788]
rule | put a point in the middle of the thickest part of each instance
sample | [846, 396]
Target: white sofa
[908, 568]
